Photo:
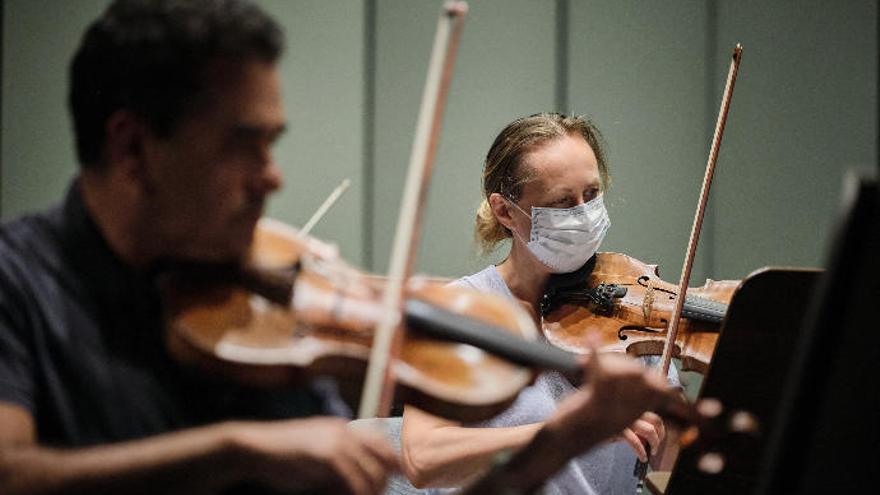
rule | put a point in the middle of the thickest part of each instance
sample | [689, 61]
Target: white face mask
[564, 239]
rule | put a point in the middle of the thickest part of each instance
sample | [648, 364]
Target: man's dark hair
[151, 57]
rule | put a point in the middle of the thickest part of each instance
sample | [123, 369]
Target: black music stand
[826, 437]
[747, 372]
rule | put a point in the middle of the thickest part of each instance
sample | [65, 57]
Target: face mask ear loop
[513, 203]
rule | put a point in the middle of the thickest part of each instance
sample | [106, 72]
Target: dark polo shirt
[82, 346]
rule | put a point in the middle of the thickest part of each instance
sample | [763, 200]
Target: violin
[627, 306]
[297, 311]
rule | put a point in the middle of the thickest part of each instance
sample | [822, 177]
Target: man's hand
[616, 392]
[321, 453]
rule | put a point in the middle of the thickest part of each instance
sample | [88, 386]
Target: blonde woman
[543, 185]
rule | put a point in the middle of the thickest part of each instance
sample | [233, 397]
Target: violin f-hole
[643, 281]
[635, 328]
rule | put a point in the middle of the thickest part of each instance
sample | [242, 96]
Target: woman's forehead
[561, 165]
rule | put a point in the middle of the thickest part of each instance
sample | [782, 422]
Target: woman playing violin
[543, 186]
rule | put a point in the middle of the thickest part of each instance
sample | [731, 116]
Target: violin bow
[379, 382]
[701, 210]
[675, 319]
[325, 206]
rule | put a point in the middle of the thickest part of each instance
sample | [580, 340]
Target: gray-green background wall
[649, 73]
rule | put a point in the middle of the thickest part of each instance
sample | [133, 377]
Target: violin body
[629, 309]
[320, 321]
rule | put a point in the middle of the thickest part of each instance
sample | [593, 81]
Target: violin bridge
[648, 301]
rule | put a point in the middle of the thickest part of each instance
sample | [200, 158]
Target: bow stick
[668, 346]
[325, 206]
[379, 382]
[701, 210]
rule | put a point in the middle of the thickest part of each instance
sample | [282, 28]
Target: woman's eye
[590, 194]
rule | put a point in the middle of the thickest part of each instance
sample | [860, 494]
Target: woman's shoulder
[486, 280]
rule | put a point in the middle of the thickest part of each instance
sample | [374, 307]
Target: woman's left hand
[647, 430]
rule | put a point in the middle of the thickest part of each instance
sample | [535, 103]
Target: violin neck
[604, 297]
[436, 322]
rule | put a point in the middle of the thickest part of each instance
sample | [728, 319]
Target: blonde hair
[503, 173]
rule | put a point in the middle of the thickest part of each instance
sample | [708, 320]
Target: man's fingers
[355, 477]
[633, 440]
[374, 473]
[373, 458]
[383, 452]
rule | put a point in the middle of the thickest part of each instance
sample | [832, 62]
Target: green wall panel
[323, 73]
[637, 68]
[505, 69]
[38, 158]
[804, 112]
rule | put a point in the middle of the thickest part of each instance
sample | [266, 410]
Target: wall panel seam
[369, 138]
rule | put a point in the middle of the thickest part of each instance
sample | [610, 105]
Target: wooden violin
[294, 313]
[624, 303]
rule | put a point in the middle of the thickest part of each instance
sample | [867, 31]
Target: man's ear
[124, 139]
[502, 209]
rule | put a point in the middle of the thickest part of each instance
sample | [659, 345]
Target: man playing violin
[176, 106]
[543, 185]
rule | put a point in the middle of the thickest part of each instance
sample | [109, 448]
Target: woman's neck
[525, 276]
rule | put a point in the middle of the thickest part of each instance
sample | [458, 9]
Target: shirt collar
[91, 256]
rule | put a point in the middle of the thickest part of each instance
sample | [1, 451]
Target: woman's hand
[616, 394]
[647, 430]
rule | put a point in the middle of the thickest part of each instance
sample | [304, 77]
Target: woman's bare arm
[437, 452]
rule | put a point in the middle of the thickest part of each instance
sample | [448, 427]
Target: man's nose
[268, 177]
[271, 178]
